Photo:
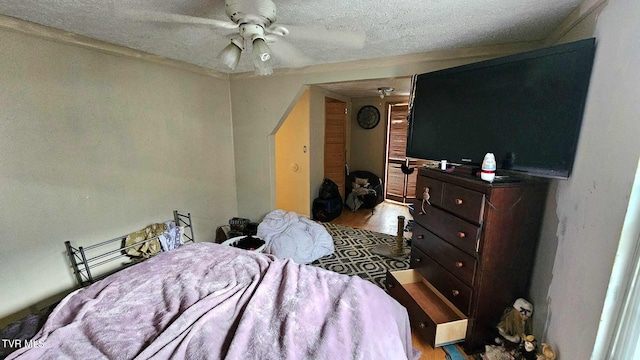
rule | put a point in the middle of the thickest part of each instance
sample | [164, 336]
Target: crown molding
[69, 38]
[575, 17]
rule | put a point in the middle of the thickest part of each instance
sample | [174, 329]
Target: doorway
[399, 187]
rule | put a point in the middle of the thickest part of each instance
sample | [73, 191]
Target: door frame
[387, 161]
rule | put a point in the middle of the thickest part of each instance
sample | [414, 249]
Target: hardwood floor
[384, 219]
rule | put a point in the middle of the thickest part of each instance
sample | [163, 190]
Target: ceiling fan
[254, 22]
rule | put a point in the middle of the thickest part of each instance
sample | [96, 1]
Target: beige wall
[585, 213]
[368, 146]
[292, 160]
[93, 146]
[551, 230]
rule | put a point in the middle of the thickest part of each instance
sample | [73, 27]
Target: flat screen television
[525, 108]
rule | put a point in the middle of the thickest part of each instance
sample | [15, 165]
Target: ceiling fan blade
[349, 39]
[157, 16]
[288, 55]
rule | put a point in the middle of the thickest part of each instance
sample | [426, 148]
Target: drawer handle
[458, 201]
[417, 259]
[459, 264]
[422, 325]
[421, 213]
[421, 236]
[461, 235]
[455, 292]
[391, 285]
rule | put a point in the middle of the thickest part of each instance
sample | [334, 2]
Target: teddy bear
[547, 353]
[529, 348]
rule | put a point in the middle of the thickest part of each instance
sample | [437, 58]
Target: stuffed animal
[515, 324]
[529, 347]
[547, 353]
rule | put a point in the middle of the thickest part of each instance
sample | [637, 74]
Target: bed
[209, 301]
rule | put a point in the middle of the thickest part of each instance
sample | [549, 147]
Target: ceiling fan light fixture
[230, 55]
[385, 91]
[261, 57]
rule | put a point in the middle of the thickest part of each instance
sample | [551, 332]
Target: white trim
[618, 333]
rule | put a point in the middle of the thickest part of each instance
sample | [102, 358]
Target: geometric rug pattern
[352, 254]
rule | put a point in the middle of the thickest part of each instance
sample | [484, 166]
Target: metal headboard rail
[82, 263]
[184, 220]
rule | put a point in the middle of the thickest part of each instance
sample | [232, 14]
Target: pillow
[362, 182]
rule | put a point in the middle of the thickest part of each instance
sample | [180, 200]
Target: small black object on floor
[248, 243]
[328, 205]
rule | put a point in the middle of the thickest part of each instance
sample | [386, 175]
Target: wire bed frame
[84, 259]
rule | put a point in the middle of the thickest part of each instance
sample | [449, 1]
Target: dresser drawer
[435, 189]
[456, 291]
[436, 320]
[465, 203]
[457, 262]
[456, 231]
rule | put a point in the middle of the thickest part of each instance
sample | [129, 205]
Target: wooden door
[396, 151]
[335, 129]
[399, 186]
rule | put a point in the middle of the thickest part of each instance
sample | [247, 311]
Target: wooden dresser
[472, 252]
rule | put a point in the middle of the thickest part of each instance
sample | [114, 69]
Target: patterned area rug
[353, 255]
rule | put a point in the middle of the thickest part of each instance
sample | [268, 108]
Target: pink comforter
[208, 301]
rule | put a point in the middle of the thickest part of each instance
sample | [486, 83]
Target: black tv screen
[526, 109]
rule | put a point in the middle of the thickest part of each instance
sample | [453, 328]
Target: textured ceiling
[390, 27]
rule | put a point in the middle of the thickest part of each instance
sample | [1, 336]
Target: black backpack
[329, 190]
[326, 209]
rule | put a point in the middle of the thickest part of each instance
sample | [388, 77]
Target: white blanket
[288, 235]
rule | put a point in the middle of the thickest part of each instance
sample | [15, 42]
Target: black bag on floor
[326, 209]
[329, 190]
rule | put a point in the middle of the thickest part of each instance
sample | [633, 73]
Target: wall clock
[368, 117]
